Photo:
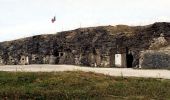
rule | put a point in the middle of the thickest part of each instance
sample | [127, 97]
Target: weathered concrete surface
[158, 42]
[125, 72]
[155, 59]
[86, 46]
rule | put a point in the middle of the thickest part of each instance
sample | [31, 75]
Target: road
[126, 72]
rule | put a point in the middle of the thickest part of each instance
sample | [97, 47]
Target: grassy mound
[80, 85]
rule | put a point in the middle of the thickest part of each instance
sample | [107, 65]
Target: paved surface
[128, 72]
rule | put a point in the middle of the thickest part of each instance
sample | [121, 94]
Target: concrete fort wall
[154, 59]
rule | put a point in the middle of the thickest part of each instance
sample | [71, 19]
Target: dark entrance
[56, 54]
[129, 58]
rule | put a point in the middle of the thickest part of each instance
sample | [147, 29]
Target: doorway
[56, 54]
[129, 59]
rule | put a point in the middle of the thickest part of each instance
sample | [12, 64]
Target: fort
[103, 46]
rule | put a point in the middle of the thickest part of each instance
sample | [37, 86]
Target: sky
[23, 18]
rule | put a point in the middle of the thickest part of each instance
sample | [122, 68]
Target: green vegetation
[80, 85]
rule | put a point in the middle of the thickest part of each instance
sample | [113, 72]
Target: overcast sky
[22, 18]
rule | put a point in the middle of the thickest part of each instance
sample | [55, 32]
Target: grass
[80, 85]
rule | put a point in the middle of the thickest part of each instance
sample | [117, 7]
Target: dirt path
[128, 72]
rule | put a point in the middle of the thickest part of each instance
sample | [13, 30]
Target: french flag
[53, 20]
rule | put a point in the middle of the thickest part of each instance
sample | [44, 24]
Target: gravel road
[128, 72]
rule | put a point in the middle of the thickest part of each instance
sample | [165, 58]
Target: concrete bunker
[36, 59]
[56, 55]
[24, 60]
[121, 57]
[95, 58]
[52, 59]
[12, 60]
[46, 59]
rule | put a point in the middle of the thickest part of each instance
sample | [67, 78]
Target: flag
[53, 19]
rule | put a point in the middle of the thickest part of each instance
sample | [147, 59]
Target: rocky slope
[80, 46]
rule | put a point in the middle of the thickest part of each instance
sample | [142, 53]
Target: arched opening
[56, 56]
[94, 51]
[56, 53]
[129, 58]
